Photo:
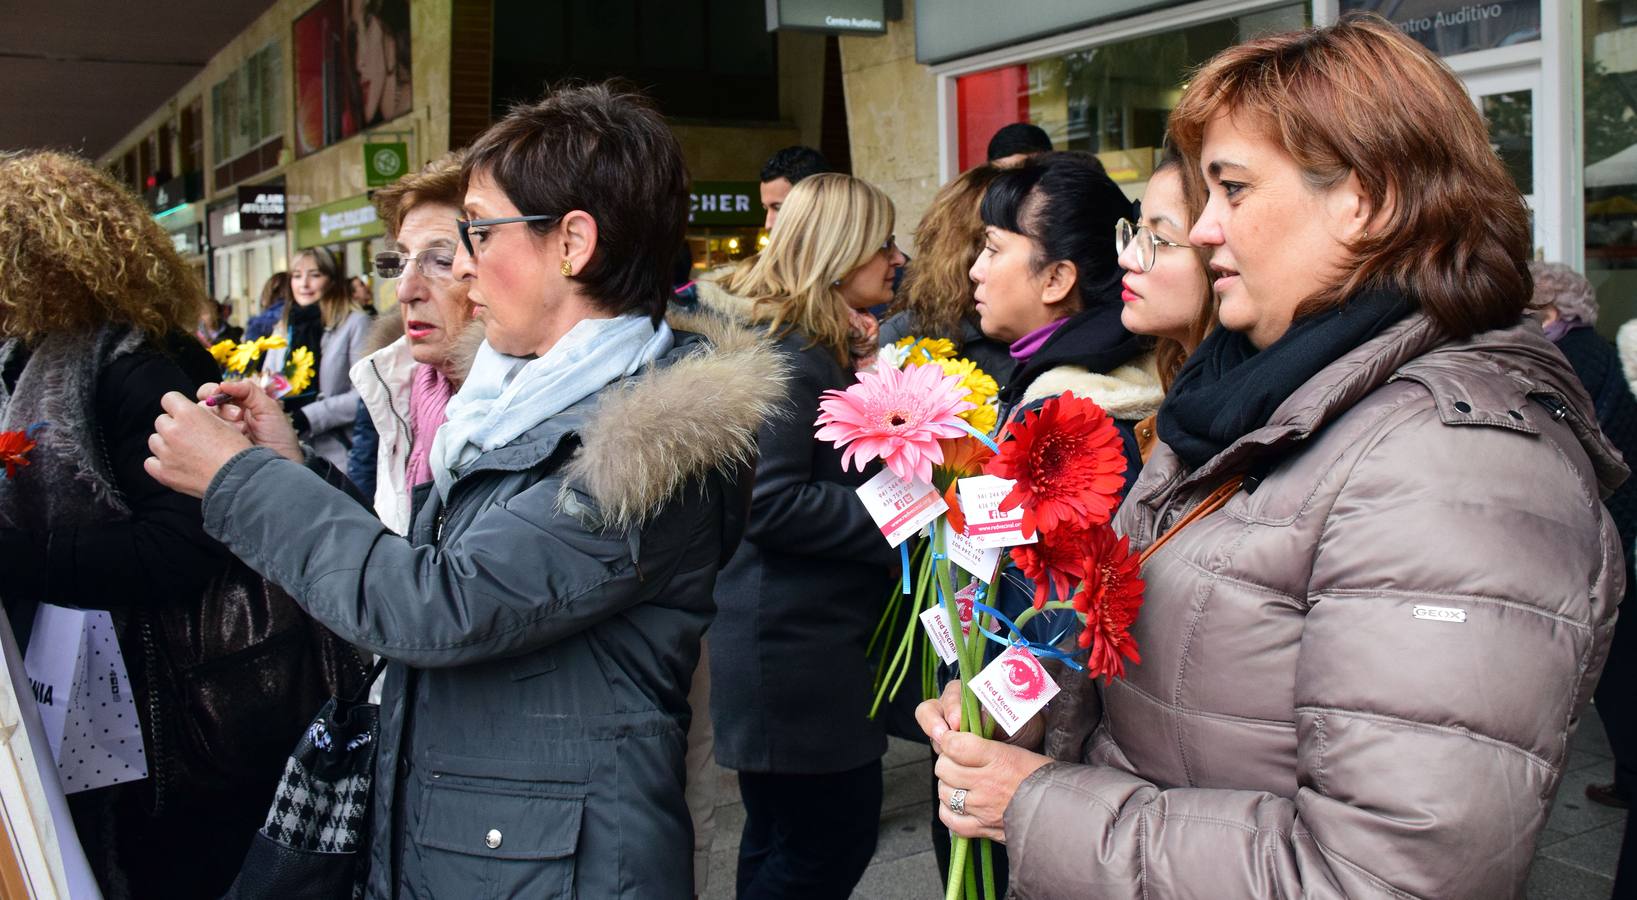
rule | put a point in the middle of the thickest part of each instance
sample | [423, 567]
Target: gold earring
[568, 268]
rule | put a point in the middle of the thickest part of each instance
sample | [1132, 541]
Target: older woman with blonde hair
[96, 311]
[802, 593]
[1379, 583]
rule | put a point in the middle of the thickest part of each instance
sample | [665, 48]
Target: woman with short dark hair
[1380, 583]
[542, 618]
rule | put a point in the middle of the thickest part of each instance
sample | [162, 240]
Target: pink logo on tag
[1025, 679]
[963, 606]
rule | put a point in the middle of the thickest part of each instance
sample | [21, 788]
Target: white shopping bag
[84, 696]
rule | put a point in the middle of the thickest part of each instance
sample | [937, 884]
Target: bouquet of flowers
[1040, 497]
[292, 375]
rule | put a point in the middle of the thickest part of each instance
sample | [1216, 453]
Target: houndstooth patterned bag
[314, 844]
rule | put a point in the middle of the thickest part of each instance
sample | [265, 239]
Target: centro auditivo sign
[352, 219]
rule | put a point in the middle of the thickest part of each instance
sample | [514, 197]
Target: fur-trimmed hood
[1131, 392]
[652, 434]
[715, 298]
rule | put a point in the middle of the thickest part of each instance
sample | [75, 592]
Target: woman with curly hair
[936, 298]
[96, 314]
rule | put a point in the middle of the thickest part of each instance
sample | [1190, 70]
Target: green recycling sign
[385, 163]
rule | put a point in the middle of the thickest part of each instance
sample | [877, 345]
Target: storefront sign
[949, 29]
[726, 203]
[831, 16]
[385, 163]
[344, 220]
[176, 192]
[1448, 27]
[187, 240]
[261, 208]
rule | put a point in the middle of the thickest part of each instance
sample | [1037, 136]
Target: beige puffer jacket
[1359, 679]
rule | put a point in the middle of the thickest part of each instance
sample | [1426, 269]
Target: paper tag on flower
[986, 525]
[1013, 688]
[977, 560]
[900, 508]
[936, 623]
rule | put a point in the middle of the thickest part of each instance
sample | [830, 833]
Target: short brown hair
[437, 183]
[78, 251]
[1360, 97]
[603, 149]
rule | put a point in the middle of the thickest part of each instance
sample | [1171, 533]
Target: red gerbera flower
[1068, 463]
[1109, 599]
[14, 447]
[1058, 561]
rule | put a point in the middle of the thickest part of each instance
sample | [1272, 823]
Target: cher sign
[725, 203]
[333, 223]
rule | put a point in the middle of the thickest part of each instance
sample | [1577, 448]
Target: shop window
[1610, 92]
[1111, 100]
[700, 59]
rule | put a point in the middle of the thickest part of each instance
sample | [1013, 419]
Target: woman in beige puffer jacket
[1360, 672]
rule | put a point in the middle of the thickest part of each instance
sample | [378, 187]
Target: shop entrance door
[1510, 101]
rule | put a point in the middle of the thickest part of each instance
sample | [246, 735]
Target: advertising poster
[352, 69]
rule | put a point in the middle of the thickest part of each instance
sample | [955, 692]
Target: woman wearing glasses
[1381, 581]
[542, 619]
[405, 386]
[790, 685]
[1166, 289]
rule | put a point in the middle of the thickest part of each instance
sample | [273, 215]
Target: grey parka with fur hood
[1359, 678]
[542, 627]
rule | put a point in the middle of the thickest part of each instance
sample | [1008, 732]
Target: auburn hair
[938, 290]
[78, 251]
[1359, 97]
[438, 183]
[1169, 353]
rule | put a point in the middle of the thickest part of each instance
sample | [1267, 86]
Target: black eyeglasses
[466, 225]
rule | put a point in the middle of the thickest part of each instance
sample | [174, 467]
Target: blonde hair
[336, 302]
[829, 226]
[938, 290]
[78, 251]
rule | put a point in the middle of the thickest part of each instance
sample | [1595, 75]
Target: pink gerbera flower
[898, 416]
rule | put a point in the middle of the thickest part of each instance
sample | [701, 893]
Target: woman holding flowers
[790, 685]
[322, 319]
[1352, 684]
[96, 311]
[1048, 284]
[542, 618]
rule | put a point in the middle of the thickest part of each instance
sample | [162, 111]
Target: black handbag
[315, 842]
[228, 683]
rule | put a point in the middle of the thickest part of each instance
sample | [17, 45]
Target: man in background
[781, 173]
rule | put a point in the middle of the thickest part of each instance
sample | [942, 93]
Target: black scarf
[1092, 339]
[307, 329]
[1228, 388]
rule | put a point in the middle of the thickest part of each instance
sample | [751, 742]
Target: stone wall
[892, 119]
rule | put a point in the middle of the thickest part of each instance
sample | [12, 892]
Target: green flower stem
[1031, 612]
[970, 879]
[986, 852]
[885, 685]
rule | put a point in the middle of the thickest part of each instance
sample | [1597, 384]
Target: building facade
[1556, 79]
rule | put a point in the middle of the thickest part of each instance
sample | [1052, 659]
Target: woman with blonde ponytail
[803, 591]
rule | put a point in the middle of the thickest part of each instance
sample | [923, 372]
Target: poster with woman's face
[352, 69]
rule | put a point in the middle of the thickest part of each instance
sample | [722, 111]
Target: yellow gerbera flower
[925, 350]
[242, 356]
[221, 350]
[982, 417]
[979, 386]
[301, 369]
[271, 342]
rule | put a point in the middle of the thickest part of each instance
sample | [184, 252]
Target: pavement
[1575, 859]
